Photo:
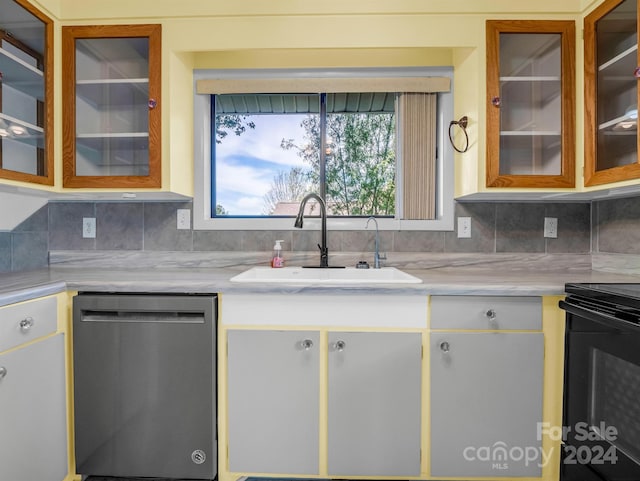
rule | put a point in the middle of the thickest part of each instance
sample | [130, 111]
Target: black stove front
[601, 420]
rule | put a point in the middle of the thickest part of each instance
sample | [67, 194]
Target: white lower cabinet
[486, 403]
[373, 416]
[33, 426]
[273, 393]
[374, 394]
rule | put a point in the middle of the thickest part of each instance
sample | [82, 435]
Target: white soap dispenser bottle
[276, 259]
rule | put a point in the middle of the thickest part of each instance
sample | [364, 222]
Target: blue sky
[247, 164]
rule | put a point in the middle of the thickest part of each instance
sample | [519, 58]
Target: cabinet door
[26, 93]
[111, 101]
[530, 103]
[374, 404]
[486, 403]
[33, 443]
[273, 401]
[611, 92]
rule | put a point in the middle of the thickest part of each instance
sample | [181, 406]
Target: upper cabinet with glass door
[611, 92]
[111, 106]
[26, 93]
[530, 103]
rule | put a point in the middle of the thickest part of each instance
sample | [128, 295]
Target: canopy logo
[500, 454]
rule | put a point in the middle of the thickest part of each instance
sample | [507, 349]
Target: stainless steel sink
[348, 275]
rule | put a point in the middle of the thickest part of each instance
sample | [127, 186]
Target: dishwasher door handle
[147, 316]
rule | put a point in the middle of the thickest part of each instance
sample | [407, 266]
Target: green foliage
[220, 210]
[360, 161]
[234, 123]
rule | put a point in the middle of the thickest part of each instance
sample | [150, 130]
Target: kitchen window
[262, 141]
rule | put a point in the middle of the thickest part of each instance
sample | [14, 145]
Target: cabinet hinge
[421, 352]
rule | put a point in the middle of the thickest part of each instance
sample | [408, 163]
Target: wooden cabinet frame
[591, 175]
[69, 36]
[45, 157]
[567, 31]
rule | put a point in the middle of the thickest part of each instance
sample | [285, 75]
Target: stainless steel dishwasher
[145, 385]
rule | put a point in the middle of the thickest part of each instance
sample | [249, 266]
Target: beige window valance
[326, 85]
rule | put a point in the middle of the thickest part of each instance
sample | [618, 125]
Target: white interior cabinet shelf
[32, 135]
[17, 73]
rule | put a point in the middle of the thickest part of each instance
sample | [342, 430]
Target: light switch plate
[551, 227]
[464, 227]
[89, 227]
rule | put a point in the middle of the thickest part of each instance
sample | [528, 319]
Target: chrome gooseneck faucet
[376, 256]
[324, 251]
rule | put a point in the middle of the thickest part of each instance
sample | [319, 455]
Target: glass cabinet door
[530, 104]
[115, 97]
[26, 100]
[611, 85]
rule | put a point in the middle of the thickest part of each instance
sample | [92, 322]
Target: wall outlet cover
[184, 219]
[551, 227]
[89, 227]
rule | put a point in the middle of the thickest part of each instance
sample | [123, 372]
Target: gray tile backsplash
[219, 240]
[29, 250]
[483, 229]
[574, 228]
[520, 228]
[27, 246]
[418, 241]
[152, 226]
[119, 226]
[5, 252]
[161, 231]
[65, 225]
[618, 226]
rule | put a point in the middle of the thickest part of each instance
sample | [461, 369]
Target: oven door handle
[599, 317]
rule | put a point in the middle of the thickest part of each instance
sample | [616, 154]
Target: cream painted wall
[301, 33]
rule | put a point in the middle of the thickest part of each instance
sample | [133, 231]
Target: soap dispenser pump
[276, 259]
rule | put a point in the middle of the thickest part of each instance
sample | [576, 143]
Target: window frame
[202, 127]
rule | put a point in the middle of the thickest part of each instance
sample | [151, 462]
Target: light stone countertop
[469, 280]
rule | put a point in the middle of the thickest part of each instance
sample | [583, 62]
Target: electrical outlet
[464, 227]
[89, 227]
[551, 227]
[184, 219]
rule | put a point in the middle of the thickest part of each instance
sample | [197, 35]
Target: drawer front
[486, 312]
[20, 323]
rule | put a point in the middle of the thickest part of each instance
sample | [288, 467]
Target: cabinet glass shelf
[114, 91]
[20, 75]
[20, 131]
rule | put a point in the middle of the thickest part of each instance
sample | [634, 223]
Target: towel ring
[462, 123]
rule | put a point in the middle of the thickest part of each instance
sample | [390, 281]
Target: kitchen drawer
[23, 322]
[486, 312]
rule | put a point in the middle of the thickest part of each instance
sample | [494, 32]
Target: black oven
[601, 411]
